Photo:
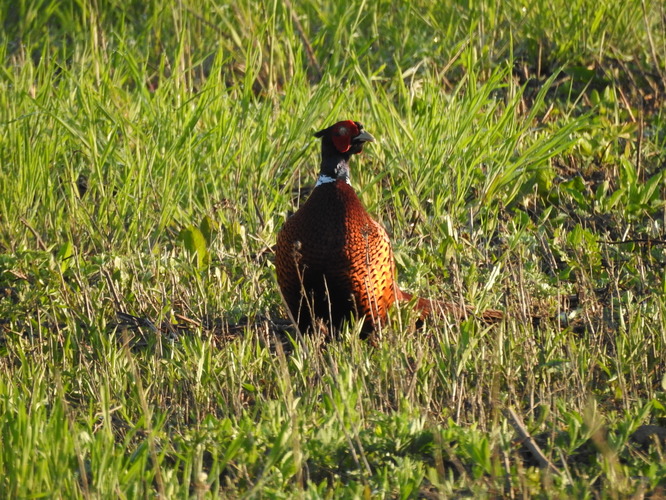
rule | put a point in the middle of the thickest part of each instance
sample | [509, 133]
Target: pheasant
[334, 261]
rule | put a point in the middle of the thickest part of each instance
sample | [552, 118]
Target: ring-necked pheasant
[335, 262]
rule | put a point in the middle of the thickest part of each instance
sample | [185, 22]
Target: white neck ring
[326, 179]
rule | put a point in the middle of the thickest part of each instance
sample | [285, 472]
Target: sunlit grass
[150, 153]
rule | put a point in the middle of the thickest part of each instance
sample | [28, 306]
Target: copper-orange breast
[334, 262]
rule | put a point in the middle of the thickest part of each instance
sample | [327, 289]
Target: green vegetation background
[149, 153]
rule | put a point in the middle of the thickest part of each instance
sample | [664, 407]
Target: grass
[150, 152]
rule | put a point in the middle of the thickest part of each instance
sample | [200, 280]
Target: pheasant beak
[363, 137]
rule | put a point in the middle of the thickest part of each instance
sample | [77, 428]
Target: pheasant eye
[342, 131]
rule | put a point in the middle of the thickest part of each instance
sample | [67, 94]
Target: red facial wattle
[343, 134]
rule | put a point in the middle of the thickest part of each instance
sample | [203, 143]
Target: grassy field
[149, 153]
